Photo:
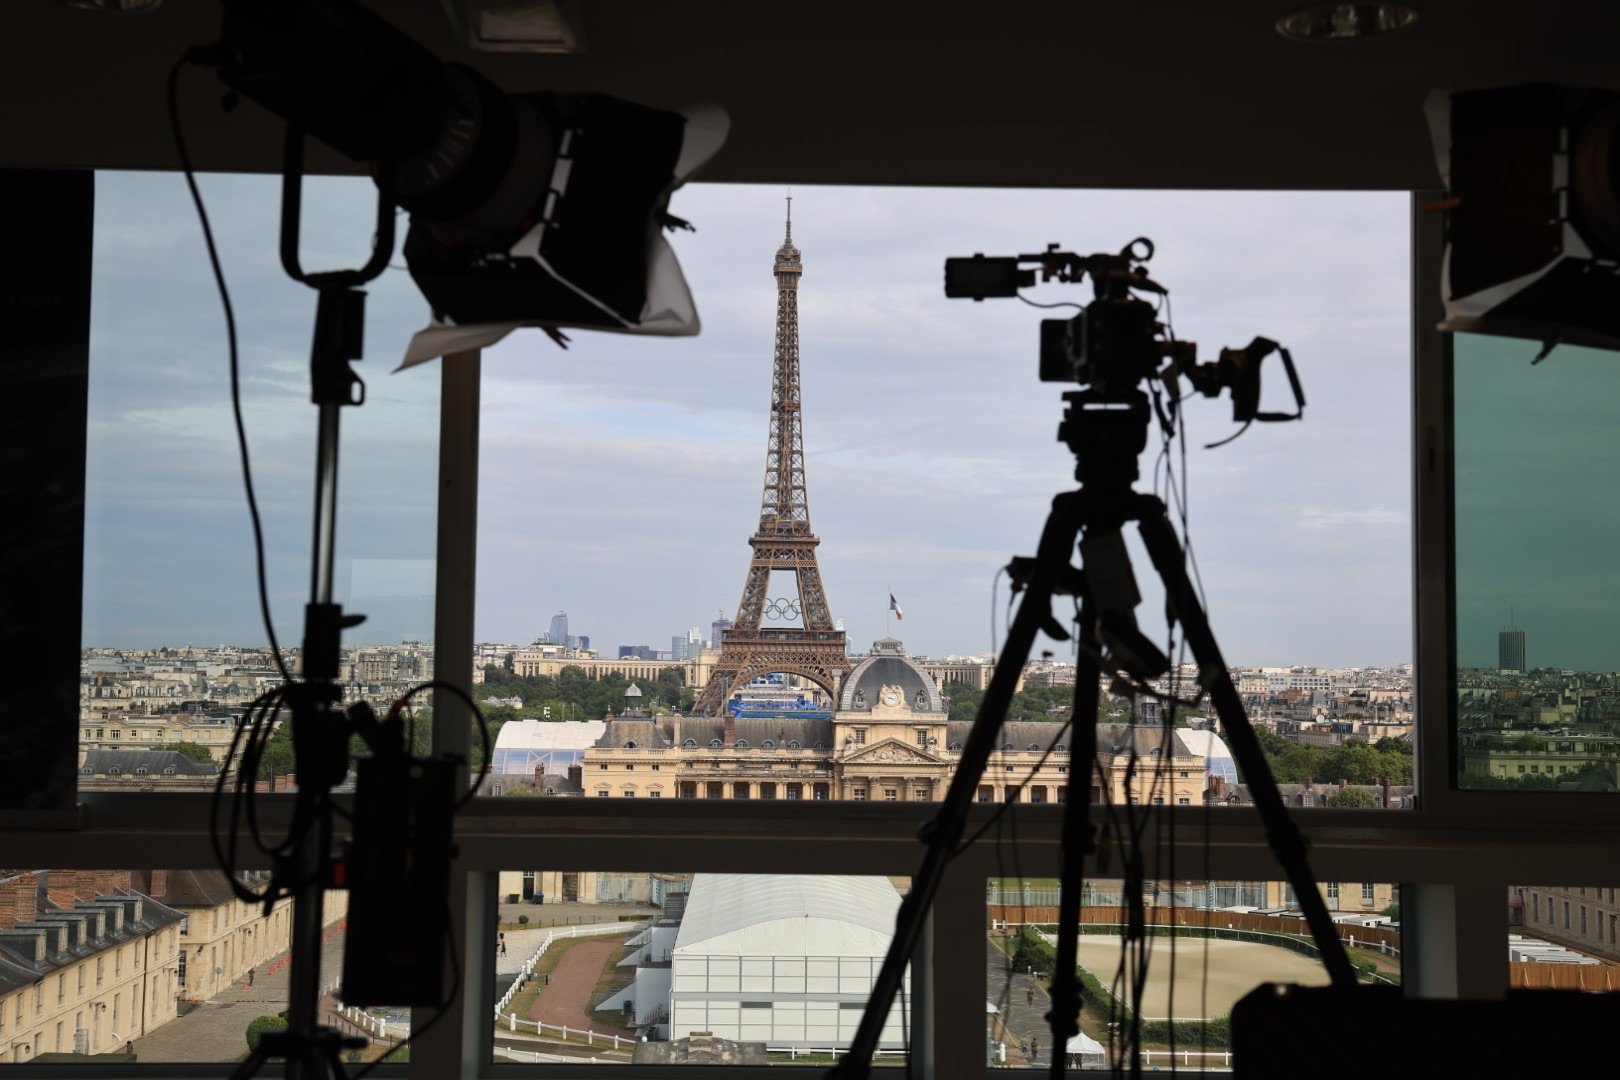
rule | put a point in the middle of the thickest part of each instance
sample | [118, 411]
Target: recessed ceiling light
[1342, 22]
[534, 26]
[114, 7]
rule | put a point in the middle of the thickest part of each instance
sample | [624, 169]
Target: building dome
[889, 666]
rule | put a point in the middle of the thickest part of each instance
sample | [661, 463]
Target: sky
[1533, 550]
[620, 479]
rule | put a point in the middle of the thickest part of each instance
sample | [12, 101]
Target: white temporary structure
[787, 960]
[1083, 1050]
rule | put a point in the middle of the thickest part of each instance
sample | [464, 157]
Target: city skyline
[930, 449]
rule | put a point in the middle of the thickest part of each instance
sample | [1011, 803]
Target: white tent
[1087, 1049]
[788, 960]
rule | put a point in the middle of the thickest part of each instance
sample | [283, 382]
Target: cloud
[620, 479]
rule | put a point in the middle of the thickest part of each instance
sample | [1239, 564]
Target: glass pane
[1564, 937]
[918, 408]
[665, 968]
[1537, 616]
[174, 645]
[1208, 944]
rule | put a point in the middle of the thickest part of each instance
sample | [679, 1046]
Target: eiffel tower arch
[783, 542]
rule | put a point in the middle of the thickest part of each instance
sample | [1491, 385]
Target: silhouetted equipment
[1117, 340]
[1533, 214]
[1328, 1034]
[1111, 348]
[536, 208]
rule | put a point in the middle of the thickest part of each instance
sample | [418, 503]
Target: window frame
[1456, 852]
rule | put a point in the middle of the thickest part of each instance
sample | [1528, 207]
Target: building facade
[890, 739]
[86, 963]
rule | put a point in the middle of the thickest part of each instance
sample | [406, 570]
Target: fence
[527, 970]
[1202, 895]
[1385, 941]
[566, 1033]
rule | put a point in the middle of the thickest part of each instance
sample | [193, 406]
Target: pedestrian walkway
[1023, 1004]
[216, 1030]
[522, 944]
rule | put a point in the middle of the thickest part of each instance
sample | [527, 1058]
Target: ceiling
[1127, 94]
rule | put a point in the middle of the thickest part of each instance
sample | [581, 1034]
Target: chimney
[1308, 781]
[60, 885]
[84, 885]
[576, 775]
[731, 729]
[19, 900]
[1217, 786]
[1386, 793]
[159, 884]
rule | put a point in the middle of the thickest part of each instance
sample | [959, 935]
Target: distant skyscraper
[558, 634]
[687, 646]
[1510, 651]
[720, 625]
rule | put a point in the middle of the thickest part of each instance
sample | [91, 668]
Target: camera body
[1113, 344]
[1116, 344]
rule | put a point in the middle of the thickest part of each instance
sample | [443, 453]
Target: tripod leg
[1284, 836]
[1079, 838]
[1052, 573]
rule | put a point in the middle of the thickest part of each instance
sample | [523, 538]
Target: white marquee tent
[784, 960]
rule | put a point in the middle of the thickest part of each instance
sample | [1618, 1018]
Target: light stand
[1106, 428]
[320, 730]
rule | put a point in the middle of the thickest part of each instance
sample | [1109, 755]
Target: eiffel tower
[783, 541]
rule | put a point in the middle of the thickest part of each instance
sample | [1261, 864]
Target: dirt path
[568, 996]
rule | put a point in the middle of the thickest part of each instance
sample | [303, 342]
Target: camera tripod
[1107, 431]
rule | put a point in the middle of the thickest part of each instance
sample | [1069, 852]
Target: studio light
[1533, 214]
[532, 209]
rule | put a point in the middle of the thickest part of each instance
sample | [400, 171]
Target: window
[858, 795]
[920, 795]
[629, 766]
[860, 736]
[890, 795]
[1532, 634]
[629, 794]
[655, 794]
[1333, 894]
[603, 794]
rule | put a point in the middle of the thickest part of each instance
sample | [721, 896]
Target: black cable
[483, 728]
[1018, 790]
[236, 388]
[1061, 303]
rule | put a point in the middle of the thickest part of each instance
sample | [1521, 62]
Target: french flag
[894, 606]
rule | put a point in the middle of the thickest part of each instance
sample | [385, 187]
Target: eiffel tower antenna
[784, 541]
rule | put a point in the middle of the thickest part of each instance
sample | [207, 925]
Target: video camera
[1117, 341]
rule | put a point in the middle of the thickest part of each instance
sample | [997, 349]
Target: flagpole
[886, 611]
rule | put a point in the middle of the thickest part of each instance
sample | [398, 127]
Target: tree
[1353, 761]
[277, 757]
[195, 751]
[1352, 798]
[261, 1025]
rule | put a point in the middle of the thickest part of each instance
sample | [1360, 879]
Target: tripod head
[1117, 343]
